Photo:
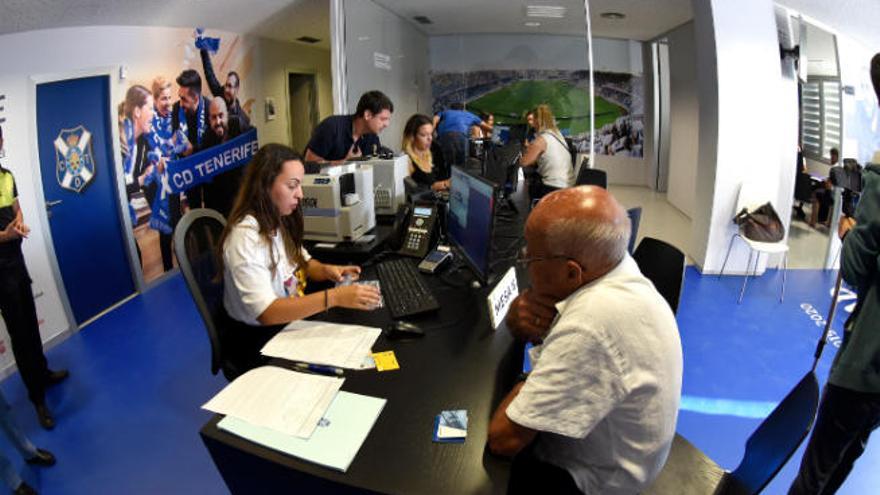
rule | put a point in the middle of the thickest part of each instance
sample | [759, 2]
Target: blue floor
[129, 416]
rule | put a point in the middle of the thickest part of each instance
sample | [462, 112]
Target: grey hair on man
[592, 229]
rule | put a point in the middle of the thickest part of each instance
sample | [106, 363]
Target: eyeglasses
[523, 259]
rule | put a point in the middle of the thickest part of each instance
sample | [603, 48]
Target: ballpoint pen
[317, 368]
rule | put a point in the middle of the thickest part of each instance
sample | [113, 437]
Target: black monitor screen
[471, 210]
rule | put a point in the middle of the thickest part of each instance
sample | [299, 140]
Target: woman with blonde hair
[549, 154]
[418, 134]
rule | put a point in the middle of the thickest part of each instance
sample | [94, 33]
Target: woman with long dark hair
[265, 265]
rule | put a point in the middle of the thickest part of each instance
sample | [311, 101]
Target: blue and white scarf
[201, 122]
[164, 142]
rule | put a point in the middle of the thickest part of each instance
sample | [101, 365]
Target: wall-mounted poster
[172, 124]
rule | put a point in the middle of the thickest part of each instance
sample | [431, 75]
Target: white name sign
[501, 296]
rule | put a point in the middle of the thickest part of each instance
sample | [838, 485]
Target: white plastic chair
[748, 199]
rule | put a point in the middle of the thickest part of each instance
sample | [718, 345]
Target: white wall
[276, 60]
[684, 118]
[739, 72]
[369, 30]
[463, 53]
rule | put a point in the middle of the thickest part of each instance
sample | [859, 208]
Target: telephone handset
[414, 229]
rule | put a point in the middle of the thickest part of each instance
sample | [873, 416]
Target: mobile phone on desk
[435, 259]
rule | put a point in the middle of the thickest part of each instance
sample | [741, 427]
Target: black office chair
[196, 246]
[662, 264]
[592, 177]
[689, 471]
[635, 218]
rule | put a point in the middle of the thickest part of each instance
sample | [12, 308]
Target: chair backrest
[772, 444]
[592, 177]
[196, 240]
[635, 218]
[663, 265]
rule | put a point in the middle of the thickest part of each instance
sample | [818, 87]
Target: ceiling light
[612, 16]
[422, 19]
[532, 24]
[549, 11]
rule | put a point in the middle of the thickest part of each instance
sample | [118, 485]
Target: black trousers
[240, 343]
[20, 316]
[845, 421]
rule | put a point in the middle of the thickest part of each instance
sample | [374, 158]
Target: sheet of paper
[319, 342]
[386, 361]
[337, 439]
[282, 400]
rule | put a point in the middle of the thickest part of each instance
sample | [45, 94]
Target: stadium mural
[509, 94]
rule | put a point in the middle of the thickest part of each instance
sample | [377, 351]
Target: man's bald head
[218, 116]
[585, 224]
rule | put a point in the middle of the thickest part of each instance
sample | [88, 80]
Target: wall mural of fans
[172, 129]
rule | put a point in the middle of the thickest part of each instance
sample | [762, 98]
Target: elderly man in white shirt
[602, 400]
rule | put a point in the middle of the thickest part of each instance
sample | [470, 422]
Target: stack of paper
[319, 342]
[334, 443]
[278, 399]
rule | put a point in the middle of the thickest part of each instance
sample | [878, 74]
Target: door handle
[50, 204]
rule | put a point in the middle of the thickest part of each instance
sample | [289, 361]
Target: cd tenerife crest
[74, 161]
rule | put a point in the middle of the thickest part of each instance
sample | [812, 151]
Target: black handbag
[762, 224]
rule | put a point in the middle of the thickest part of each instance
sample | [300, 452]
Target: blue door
[79, 185]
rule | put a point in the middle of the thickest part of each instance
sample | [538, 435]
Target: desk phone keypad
[414, 240]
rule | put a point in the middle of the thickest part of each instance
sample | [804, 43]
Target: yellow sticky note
[385, 361]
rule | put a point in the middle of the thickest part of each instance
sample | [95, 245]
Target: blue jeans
[454, 146]
[19, 441]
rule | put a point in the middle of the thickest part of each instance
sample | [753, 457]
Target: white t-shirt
[249, 286]
[606, 383]
[554, 164]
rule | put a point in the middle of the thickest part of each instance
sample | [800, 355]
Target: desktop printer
[388, 188]
[337, 203]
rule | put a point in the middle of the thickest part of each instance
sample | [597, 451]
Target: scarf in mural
[201, 122]
[129, 151]
[164, 142]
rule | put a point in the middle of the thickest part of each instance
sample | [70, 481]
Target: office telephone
[414, 229]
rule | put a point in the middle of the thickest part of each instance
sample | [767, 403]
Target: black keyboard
[403, 290]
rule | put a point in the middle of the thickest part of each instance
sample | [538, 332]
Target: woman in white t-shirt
[549, 154]
[265, 266]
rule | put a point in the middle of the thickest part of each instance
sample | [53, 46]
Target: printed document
[282, 400]
[320, 342]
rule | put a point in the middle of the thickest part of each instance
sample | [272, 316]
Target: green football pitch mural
[570, 104]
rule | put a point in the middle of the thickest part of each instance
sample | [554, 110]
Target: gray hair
[591, 243]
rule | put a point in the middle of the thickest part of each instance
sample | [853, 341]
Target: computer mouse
[400, 329]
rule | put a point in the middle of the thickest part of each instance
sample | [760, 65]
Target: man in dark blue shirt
[342, 137]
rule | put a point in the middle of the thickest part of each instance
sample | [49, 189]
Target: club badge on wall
[74, 161]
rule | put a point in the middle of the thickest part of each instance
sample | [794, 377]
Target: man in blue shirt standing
[453, 131]
[343, 137]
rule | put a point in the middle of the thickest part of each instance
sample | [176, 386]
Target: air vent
[422, 19]
[308, 39]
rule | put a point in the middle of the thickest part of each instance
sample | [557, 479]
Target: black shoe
[43, 458]
[24, 489]
[56, 377]
[45, 416]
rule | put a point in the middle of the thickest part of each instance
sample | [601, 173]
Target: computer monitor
[470, 219]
